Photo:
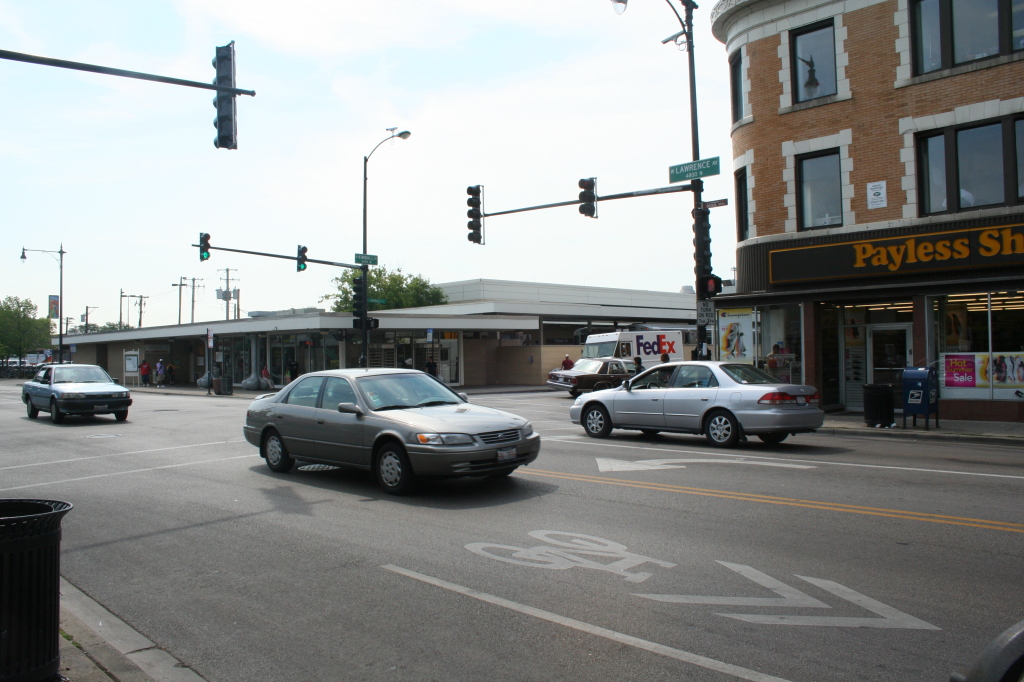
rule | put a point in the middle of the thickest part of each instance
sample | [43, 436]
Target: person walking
[638, 366]
[568, 363]
[169, 371]
[293, 369]
[665, 358]
[431, 366]
[160, 376]
[144, 373]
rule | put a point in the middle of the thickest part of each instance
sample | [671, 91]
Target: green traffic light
[302, 266]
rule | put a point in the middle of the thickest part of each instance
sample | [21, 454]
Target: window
[814, 62]
[694, 376]
[742, 217]
[336, 392]
[820, 201]
[305, 392]
[947, 33]
[984, 163]
[736, 84]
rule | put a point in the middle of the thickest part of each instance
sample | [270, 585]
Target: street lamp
[684, 39]
[404, 135]
[60, 296]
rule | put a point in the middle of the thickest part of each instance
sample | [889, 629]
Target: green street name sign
[694, 169]
[381, 301]
[366, 259]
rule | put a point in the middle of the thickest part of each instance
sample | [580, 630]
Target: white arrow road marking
[788, 596]
[605, 464]
[890, 617]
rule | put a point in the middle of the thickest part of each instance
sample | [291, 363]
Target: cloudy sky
[522, 97]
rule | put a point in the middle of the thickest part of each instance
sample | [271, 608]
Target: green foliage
[397, 289]
[113, 327]
[20, 331]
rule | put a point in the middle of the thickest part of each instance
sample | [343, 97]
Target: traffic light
[204, 246]
[701, 243]
[713, 286]
[588, 197]
[300, 259]
[359, 296]
[373, 322]
[475, 213]
[224, 102]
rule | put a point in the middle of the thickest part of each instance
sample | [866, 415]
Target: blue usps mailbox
[920, 394]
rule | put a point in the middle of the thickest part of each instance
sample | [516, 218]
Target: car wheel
[650, 432]
[773, 438]
[56, 416]
[276, 454]
[121, 416]
[573, 392]
[31, 409]
[596, 422]
[393, 471]
[601, 386]
[722, 429]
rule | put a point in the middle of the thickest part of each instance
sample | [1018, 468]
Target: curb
[898, 433]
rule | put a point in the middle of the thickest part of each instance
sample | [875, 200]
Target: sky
[524, 98]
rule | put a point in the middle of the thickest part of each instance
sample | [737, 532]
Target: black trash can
[226, 386]
[217, 385]
[30, 588]
[878, 407]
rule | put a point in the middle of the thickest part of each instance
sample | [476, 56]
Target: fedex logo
[657, 347]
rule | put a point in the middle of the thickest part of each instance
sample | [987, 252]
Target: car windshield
[599, 350]
[403, 391]
[590, 366]
[80, 375]
[748, 374]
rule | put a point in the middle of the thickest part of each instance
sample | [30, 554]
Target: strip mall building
[879, 166]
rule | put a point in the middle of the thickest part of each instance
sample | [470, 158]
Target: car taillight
[572, 380]
[777, 398]
[551, 377]
[814, 399]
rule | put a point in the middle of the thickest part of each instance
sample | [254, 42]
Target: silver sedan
[724, 401]
[401, 424]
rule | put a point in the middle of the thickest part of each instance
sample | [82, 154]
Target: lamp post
[684, 39]
[60, 296]
[404, 135]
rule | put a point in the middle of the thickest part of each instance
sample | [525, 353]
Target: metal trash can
[30, 588]
[226, 386]
[217, 385]
[878, 407]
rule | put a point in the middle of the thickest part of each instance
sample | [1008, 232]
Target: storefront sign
[973, 370]
[953, 250]
[736, 334]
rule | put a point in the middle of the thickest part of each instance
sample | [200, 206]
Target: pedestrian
[293, 369]
[144, 373]
[568, 363]
[638, 366]
[431, 366]
[160, 376]
[265, 373]
[665, 358]
[169, 371]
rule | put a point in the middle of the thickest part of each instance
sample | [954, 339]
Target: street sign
[366, 259]
[694, 169]
[716, 203]
[705, 313]
[381, 301]
[209, 338]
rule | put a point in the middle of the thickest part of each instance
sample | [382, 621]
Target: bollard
[30, 588]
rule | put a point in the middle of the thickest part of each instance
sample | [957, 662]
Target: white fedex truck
[648, 344]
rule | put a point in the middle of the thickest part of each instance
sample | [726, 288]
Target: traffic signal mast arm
[108, 71]
[623, 195]
[291, 258]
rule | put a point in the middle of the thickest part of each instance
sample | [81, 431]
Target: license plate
[801, 400]
[506, 454]
[99, 407]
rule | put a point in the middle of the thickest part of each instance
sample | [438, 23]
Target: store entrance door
[889, 353]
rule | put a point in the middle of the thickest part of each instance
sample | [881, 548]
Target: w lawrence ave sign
[692, 170]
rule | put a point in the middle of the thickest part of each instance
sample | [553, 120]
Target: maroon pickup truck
[590, 374]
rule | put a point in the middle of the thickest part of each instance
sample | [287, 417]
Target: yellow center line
[787, 501]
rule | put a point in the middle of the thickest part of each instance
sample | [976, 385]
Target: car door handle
[279, 416]
[704, 400]
[319, 421]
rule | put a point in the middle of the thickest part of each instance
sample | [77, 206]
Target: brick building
[879, 165]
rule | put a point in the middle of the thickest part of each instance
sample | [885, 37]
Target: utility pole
[194, 298]
[180, 285]
[120, 310]
[227, 292]
[142, 304]
[85, 318]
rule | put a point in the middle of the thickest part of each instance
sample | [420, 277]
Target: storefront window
[969, 367]
[780, 342]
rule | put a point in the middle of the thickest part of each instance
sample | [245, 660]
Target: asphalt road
[826, 558]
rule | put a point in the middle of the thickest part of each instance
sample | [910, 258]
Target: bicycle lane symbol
[572, 552]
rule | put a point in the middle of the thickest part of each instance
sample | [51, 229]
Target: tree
[20, 331]
[394, 287]
[114, 327]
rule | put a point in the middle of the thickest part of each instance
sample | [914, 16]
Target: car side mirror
[464, 397]
[625, 385]
[117, 381]
[350, 408]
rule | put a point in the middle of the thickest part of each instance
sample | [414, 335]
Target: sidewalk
[852, 423]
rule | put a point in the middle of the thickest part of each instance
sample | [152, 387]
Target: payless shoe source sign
[953, 250]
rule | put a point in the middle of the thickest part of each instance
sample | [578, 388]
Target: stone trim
[746, 160]
[791, 149]
[969, 113]
[842, 61]
[751, 20]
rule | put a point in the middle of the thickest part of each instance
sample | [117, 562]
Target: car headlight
[123, 395]
[578, 400]
[444, 438]
[73, 396]
[526, 431]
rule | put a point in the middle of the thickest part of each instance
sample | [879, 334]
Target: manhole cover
[317, 467]
[104, 435]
